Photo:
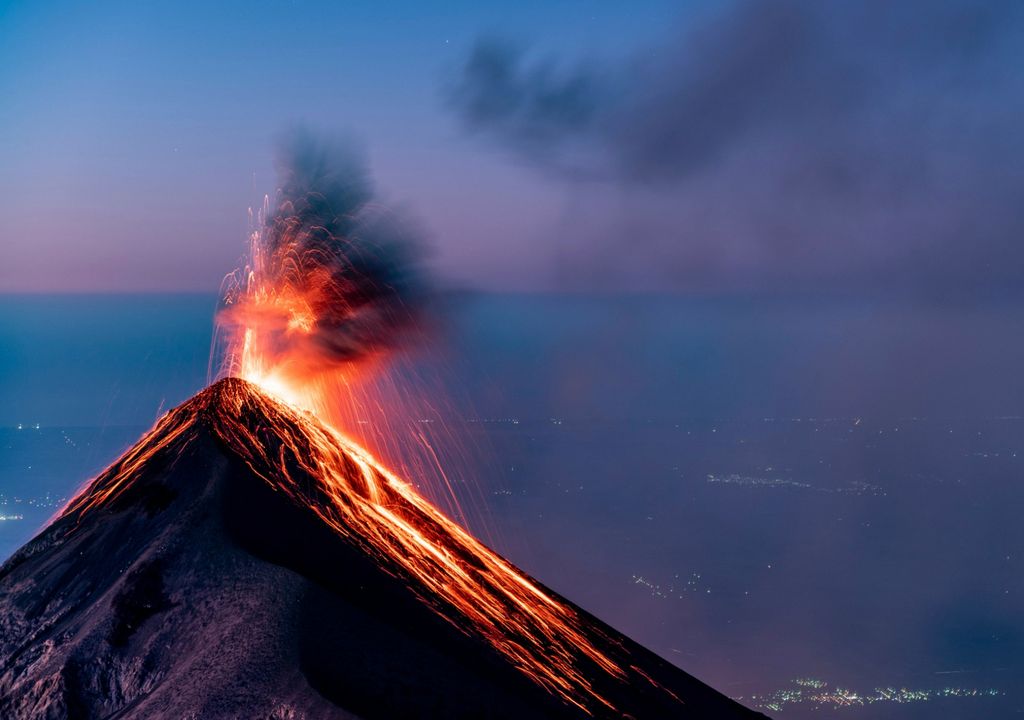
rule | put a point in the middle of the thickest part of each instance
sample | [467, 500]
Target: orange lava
[372, 507]
[268, 325]
[461, 579]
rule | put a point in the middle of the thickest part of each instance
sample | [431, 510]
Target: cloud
[766, 144]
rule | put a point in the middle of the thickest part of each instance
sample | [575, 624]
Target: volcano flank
[244, 560]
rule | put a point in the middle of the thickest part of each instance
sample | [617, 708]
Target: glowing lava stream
[373, 507]
[368, 505]
[291, 324]
[321, 300]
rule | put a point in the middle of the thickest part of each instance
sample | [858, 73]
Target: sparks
[312, 315]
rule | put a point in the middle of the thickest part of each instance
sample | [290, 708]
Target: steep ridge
[245, 560]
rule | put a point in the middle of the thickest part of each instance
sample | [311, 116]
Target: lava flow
[322, 300]
[252, 546]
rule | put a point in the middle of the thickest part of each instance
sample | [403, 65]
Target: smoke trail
[813, 145]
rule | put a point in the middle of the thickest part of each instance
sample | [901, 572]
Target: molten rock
[246, 561]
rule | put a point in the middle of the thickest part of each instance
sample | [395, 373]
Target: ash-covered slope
[232, 565]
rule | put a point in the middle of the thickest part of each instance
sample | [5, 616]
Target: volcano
[244, 560]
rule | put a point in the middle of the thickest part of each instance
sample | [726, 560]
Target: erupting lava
[465, 582]
[319, 304]
[344, 603]
[329, 287]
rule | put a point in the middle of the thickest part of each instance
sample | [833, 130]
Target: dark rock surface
[200, 591]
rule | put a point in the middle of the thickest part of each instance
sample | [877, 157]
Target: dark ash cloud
[532, 109]
[793, 141]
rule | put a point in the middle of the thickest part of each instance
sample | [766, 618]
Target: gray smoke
[355, 264]
[815, 140]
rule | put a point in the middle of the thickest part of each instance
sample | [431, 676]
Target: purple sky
[702, 146]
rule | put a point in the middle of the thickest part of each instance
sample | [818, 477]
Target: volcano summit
[244, 560]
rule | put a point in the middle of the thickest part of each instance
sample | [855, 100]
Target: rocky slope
[202, 577]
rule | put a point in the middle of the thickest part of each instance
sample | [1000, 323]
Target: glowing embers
[339, 482]
[328, 291]
[446, 566]
[330, 284]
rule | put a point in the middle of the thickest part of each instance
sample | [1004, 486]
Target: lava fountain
[330, 286]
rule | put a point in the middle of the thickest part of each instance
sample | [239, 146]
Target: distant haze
[122, 360]
[759, 491]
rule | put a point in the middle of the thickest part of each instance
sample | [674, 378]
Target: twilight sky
[695, 146]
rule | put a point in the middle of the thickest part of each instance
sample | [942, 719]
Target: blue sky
[134, 136]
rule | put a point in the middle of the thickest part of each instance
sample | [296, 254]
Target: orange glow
[312, 409]
[266, 322]
[276, 311]
[454, 574]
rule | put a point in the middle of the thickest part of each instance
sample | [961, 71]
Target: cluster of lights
[673, 590]
[857, 487]
[46, 501]
[819, 694]
[736, 479]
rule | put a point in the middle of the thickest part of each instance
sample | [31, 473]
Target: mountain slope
[243, 560]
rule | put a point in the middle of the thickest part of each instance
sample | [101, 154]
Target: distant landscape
[757, 501]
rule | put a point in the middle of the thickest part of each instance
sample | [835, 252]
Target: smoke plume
[764, 144]
[332, 278]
